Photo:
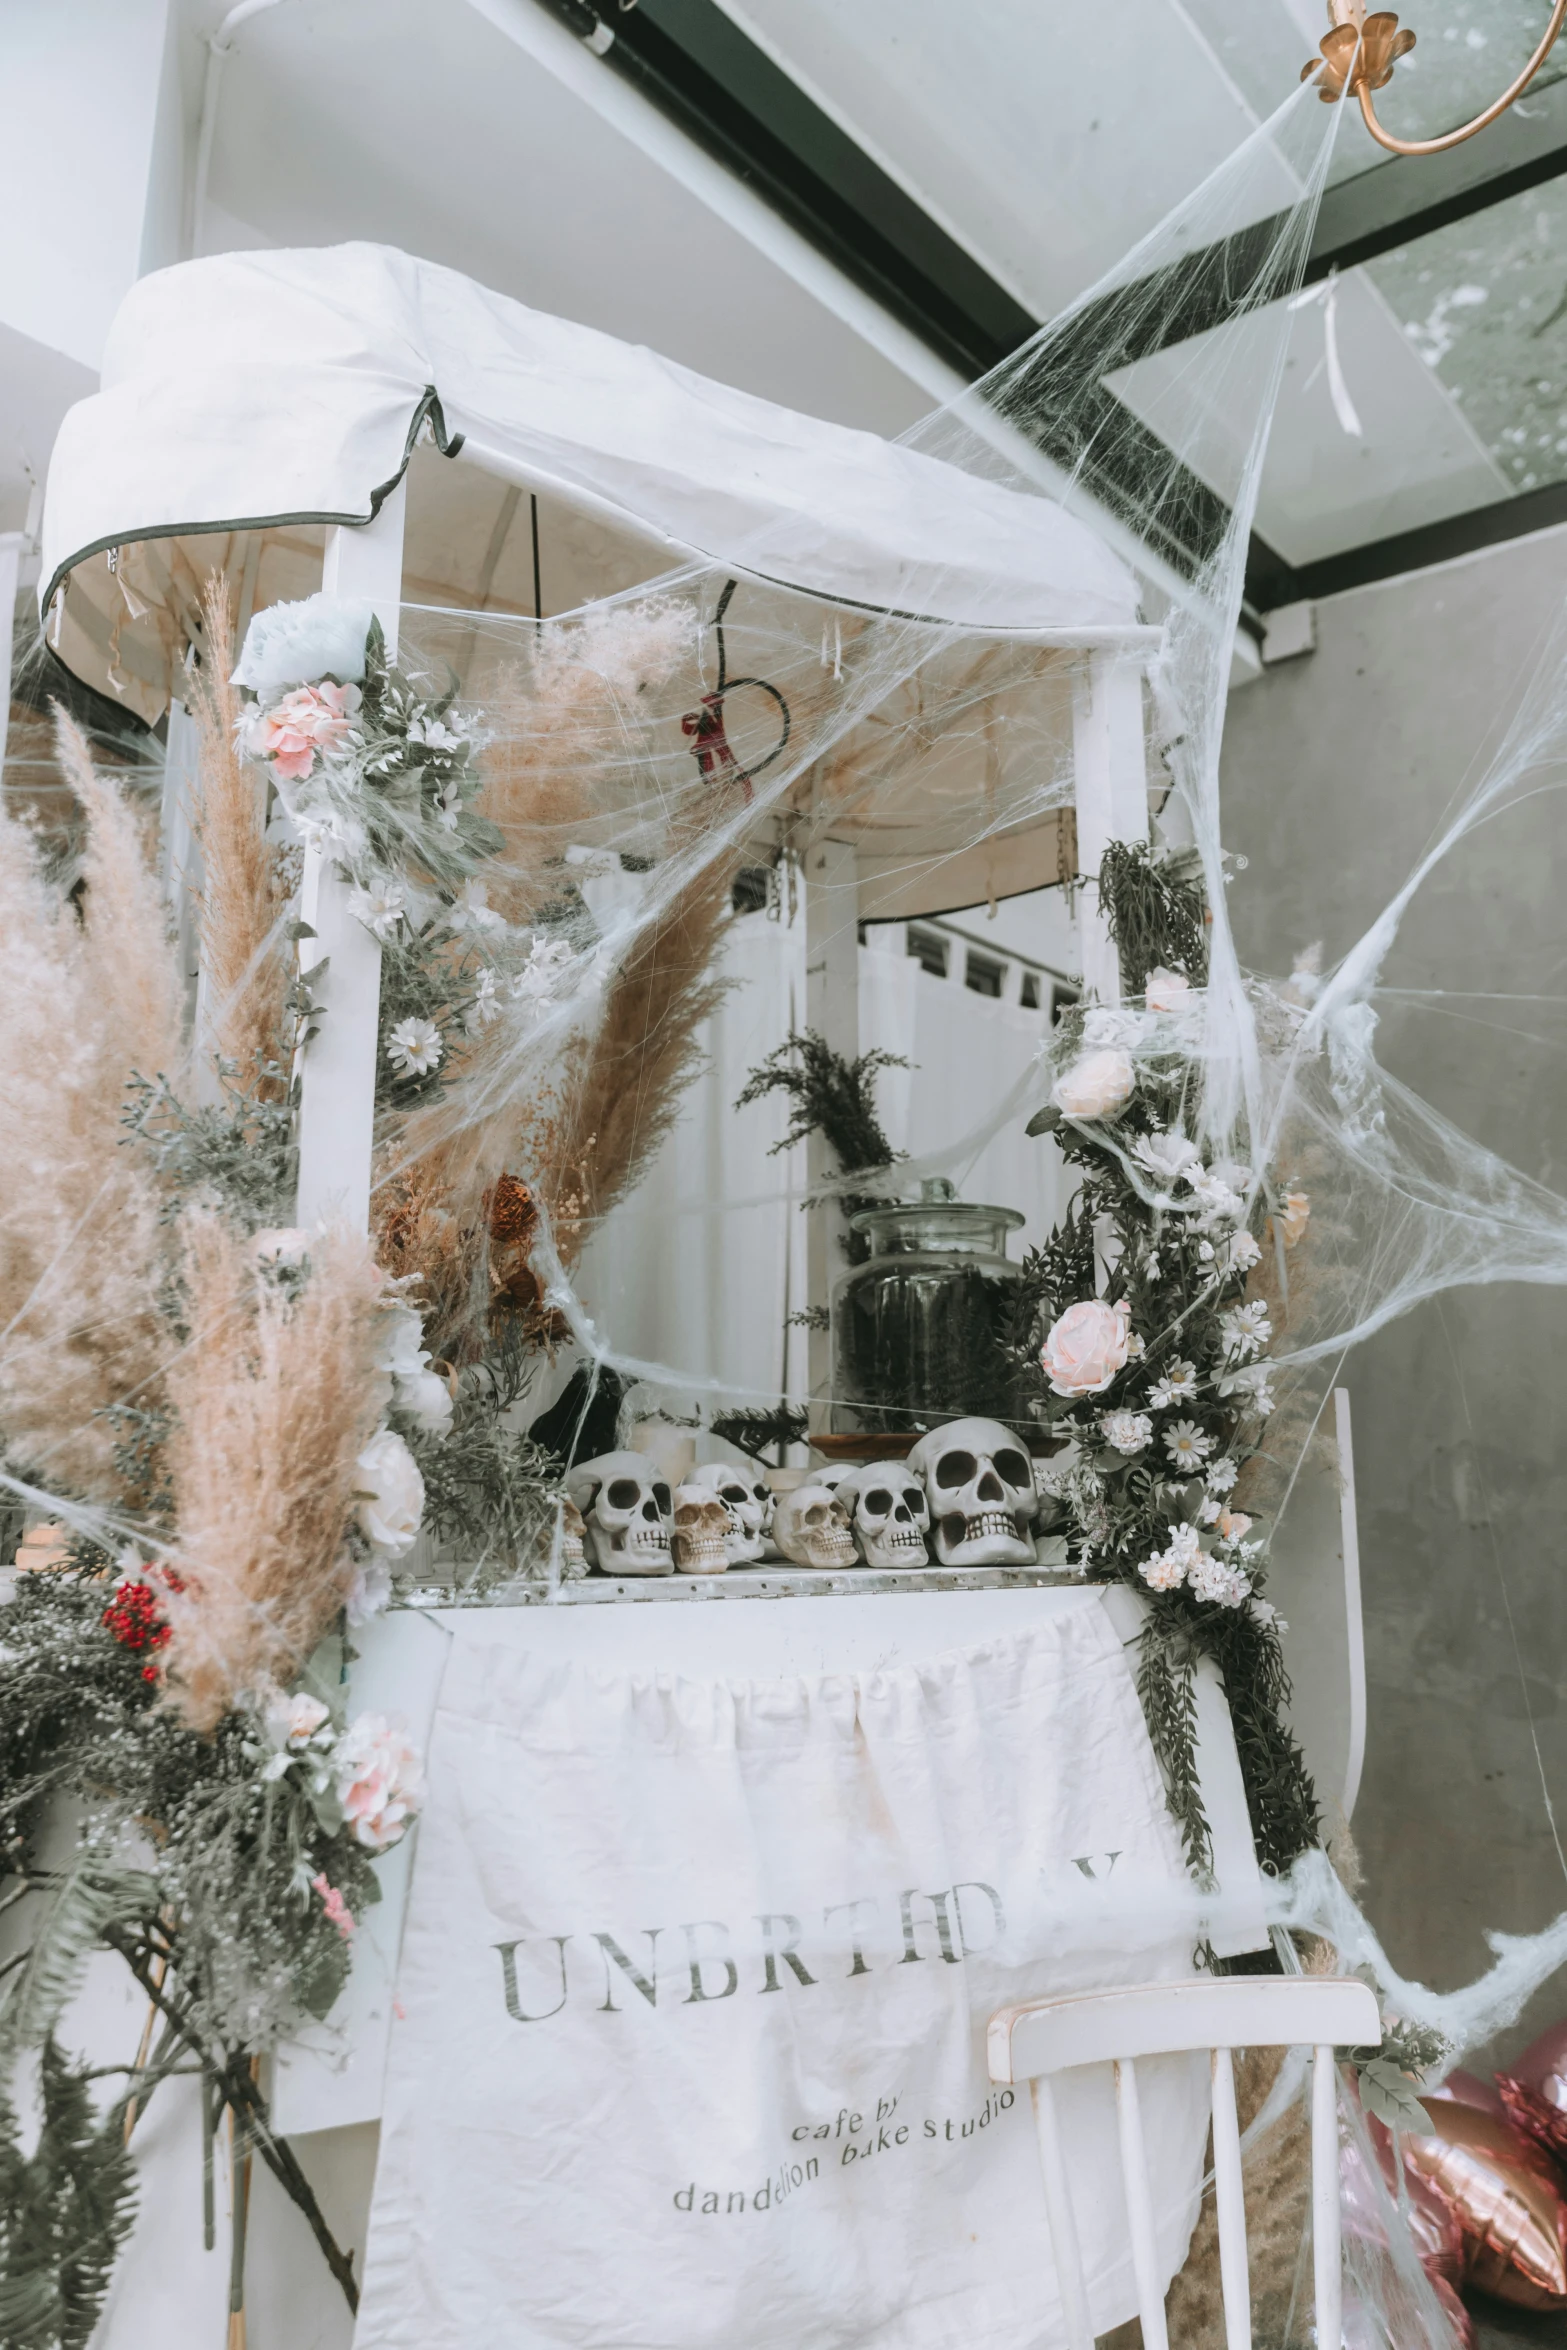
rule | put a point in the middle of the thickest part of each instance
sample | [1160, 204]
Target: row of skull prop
[965, 1495]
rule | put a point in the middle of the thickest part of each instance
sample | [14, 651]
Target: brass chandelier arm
[1456, 138]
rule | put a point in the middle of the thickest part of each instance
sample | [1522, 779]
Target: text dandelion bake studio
[705, 1959]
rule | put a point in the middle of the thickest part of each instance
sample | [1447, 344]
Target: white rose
[294, 644]
[389, 1493]
[402, 1348]
[425, 1397]
[369, 1593]
[1096, 1085]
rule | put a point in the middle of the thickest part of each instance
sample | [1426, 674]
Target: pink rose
[1087, 1346]
[312, 719]
[379, 1782]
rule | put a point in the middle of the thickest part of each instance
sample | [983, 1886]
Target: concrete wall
[1337, 769]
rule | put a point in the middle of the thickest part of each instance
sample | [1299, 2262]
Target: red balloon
[1534, 2091]
[1507, 2197]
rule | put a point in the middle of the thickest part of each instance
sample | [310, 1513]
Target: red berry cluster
[132, 1615]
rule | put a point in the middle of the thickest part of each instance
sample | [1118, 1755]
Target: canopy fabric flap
[264, 387]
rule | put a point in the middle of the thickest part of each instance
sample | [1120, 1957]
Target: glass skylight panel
[1483, 305]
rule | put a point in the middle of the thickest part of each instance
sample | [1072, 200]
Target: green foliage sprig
[1155, 908]
[65, 2210]
[833, 1097]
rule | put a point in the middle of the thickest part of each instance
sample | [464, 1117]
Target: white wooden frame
[337, 1077]
[1043, 2037]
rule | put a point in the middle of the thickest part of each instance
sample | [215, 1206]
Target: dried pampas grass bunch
[624, 1083]
[565, 739]
[86, 1001]
[244, 952]
[277, 1394]
[581, 1125]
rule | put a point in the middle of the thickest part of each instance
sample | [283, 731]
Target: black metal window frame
[695, 64]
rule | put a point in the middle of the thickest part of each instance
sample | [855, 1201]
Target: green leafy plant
[1156, 911]
[835, 1098]
[65, 2210]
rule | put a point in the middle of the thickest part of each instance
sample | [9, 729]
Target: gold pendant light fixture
[1359, 55]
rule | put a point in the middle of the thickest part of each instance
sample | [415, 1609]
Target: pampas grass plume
[84, 1004]
[244, 958]
[276, 1397]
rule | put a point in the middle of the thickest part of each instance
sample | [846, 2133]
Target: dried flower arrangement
[244, 1426]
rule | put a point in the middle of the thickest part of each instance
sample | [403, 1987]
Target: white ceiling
[419, 123]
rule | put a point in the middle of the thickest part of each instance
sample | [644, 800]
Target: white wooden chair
[1035, 2041]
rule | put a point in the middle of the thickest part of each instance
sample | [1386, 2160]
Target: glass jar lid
[939, 1224]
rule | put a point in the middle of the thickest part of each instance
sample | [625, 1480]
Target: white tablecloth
[694, 1982]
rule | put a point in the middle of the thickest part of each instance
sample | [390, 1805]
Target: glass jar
[917, 1328]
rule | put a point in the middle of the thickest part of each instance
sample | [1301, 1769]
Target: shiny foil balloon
[1534, 2090]
[1433, 2228]
[1506, 2197]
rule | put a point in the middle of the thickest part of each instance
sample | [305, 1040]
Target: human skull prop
[701, 1537]
[627, 1510]
[748, 1502]
[889, 1514]
[811, 1528]
[979, 1483]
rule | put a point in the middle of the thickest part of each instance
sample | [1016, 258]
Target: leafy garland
[1133, 1329]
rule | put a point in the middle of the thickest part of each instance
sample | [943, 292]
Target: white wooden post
[337, 1104]
[832, 1008]
[12, 543]
[1112, 794]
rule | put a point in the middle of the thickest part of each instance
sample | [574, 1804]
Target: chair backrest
[1042, 2037]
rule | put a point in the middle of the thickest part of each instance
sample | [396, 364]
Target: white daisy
[1166, 1156]
[540, 974]
[1219, 1203]
[1187, 1446]
[1220, 1475]
[1246, 1330]
[1127, 1432]
[380, 907]
[1252, 1382]
[1178, 1385]
[473, 911]
[414, 1047]
[486, 1003]
[433, 735]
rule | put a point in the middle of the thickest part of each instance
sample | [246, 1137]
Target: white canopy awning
[260, 389]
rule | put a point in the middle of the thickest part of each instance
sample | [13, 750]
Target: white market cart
[357, 419]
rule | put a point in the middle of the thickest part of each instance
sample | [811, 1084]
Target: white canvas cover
[696, 1975]
[273, 386]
